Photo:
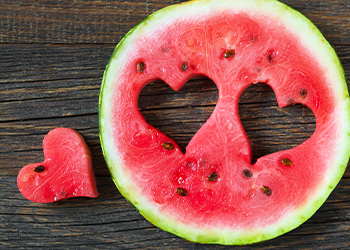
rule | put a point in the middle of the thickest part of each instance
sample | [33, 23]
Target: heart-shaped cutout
[269, 127]
[179, 114]
[66, 171]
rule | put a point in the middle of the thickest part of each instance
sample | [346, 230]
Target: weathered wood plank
[30, 72]
[45, 21]
[110, 222]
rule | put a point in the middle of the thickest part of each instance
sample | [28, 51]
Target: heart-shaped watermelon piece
[66, 171]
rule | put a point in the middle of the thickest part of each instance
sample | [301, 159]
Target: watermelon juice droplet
[251, 192]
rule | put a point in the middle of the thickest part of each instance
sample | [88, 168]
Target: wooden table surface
[52, 58]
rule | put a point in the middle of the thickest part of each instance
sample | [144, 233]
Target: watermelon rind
[317, 46]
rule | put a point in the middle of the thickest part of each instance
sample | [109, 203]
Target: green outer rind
[218, 235]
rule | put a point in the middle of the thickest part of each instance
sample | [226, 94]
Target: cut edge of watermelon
[316, 44]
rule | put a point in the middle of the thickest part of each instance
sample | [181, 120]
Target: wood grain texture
[47, 21]
[52, 58]
[109, 222]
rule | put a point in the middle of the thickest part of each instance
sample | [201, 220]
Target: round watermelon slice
[212, 193]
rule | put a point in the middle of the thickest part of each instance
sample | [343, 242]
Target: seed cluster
[212, 177]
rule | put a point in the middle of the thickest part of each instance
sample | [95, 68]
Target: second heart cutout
[270, 128]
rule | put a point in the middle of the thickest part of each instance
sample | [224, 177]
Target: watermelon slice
[212, 193]
[66, 171]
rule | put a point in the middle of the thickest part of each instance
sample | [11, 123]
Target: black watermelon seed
[229, 53]
[181, 191]
[140, 67]
[266, 190]
[39, 169]
[213, 176]
[286, 162]
[184, 66]
[247, 173]
[168, 145]
[303, 93]
[271, 56]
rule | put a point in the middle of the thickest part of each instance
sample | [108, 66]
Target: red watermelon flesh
[213, 193]
[66, 171]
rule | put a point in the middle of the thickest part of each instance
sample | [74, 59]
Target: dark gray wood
[45, 21]
[110, 222]
[52, 58]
